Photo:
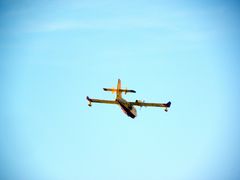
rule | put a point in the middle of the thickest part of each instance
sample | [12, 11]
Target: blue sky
[54, 54]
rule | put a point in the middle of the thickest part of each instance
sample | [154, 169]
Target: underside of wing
[100, 101]
[140, 103]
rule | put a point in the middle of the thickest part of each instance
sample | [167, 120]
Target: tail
[119, 90]
[119, 85]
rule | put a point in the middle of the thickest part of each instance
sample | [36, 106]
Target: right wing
[140, 103]
[167, 105]
[100, 101]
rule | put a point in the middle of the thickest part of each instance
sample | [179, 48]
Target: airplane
[127, 107]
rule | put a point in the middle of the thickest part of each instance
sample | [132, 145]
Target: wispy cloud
[112, 23]
[177, 27]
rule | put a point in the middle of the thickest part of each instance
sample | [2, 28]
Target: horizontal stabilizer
[127, 91]
[113, 90]
[110, 89]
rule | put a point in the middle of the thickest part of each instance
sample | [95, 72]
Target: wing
[100, 101]
[140, 103]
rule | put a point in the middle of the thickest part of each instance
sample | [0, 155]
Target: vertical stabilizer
[119, 93]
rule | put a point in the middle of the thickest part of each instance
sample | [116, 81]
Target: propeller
[113, 90]
[141, 101]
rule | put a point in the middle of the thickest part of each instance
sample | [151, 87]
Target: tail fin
[119, 85]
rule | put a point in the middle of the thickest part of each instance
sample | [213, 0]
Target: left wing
[100, 101]
[141, 103]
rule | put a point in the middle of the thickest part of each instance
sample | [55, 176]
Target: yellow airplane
[126, 106]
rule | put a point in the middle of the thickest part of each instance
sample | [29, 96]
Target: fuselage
[127, 108]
